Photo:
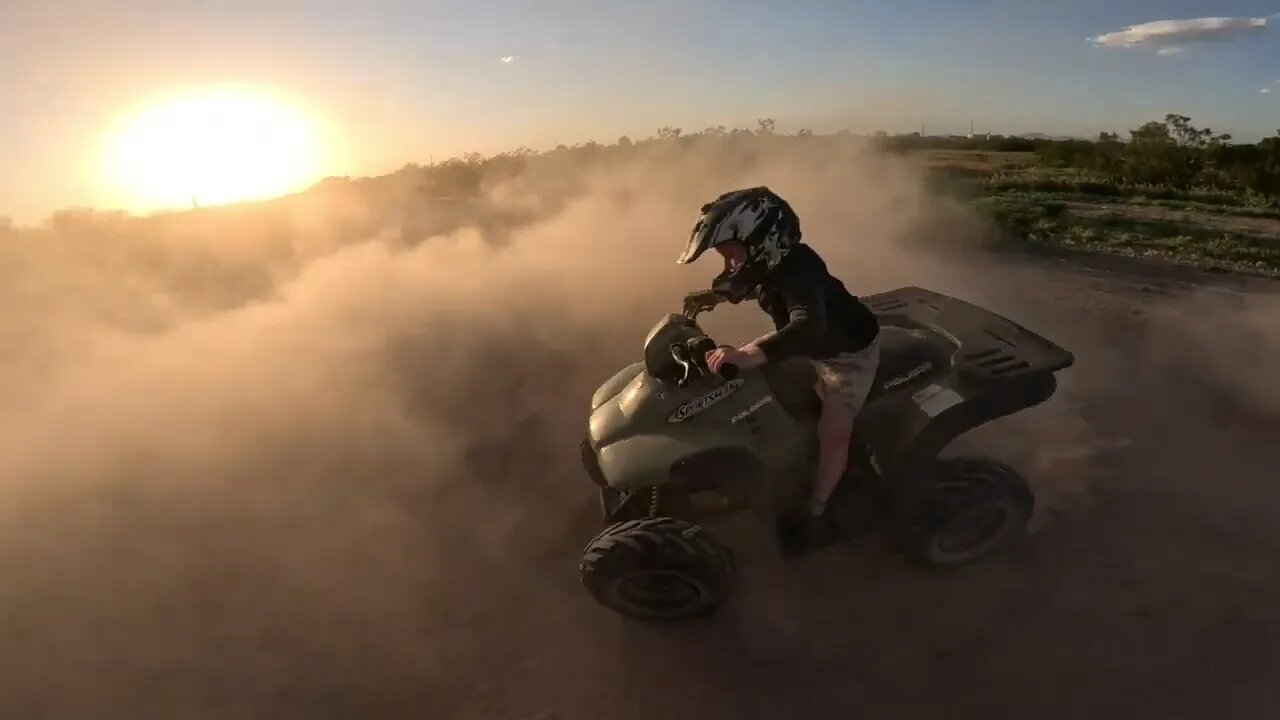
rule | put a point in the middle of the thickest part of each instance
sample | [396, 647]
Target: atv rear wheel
[658, 569]
[974, 506]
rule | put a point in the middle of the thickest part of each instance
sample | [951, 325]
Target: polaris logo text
[754, 407]
[915, 373]
[693, 407]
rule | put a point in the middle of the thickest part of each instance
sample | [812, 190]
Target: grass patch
[1271, 213]
[973, 160]
[1073, 208]
[976, 182]
[1050, 224]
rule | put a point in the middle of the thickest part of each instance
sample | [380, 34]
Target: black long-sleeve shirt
[814, 314]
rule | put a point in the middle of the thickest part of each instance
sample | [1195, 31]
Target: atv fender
[731, 473]
[610, 388]
[907, 454]
[652, 460]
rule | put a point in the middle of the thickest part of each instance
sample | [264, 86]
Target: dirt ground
[1149, 588]
[1269, 227]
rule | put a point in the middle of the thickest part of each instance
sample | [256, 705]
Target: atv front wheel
[658, 569]
[974, 506]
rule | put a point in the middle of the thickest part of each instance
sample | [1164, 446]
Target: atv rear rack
[989, 346]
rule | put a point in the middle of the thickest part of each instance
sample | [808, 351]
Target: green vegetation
[1126, 229]
[1169, 155]
[1171, 191]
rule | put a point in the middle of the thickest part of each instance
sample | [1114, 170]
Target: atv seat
[906, 356]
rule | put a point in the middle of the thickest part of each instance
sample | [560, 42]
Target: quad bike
[671, 444]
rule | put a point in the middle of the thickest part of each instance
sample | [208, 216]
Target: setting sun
[213, 147]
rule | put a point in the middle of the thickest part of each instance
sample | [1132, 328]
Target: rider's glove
[696, 302]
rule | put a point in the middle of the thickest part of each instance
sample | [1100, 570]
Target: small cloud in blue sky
[1168, 37]
[507, 60]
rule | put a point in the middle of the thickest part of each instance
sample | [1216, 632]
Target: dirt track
[1149, 589]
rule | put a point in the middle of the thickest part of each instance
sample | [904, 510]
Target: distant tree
[765, 126]
[332, 183]
[507, 165]
[457, 178]
[668, 133]
[1171, 152]
[1152, 156]
[717, 131]
[804, 133]
[1152, 133]
[1185, 134]
[624, 141]
[1267, 166]
[1107, 155]
[71, 220]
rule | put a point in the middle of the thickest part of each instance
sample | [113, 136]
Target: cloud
[1169, 36]
[1265, 91]
[508, 59]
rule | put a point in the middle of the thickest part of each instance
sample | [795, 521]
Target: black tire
[658, 569]
[973, 507]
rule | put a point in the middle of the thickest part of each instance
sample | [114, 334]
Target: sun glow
[213, 147]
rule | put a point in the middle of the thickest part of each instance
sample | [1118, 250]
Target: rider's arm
[752, 294]
[807, 319]
[701, 301]
[709, 298]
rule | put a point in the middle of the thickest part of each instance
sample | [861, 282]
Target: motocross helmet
[758, 219]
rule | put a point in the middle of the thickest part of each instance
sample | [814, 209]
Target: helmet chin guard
[736, 285]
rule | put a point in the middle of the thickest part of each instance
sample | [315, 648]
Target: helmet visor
[699, 241]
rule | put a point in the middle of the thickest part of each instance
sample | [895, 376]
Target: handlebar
[692, 356]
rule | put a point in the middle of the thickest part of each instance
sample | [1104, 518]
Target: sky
[396, 82]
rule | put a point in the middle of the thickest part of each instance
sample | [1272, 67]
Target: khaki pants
[847, 378]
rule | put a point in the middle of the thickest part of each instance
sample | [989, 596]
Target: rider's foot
[807, 532]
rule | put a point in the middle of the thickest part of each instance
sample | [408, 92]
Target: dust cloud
[263, 460]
